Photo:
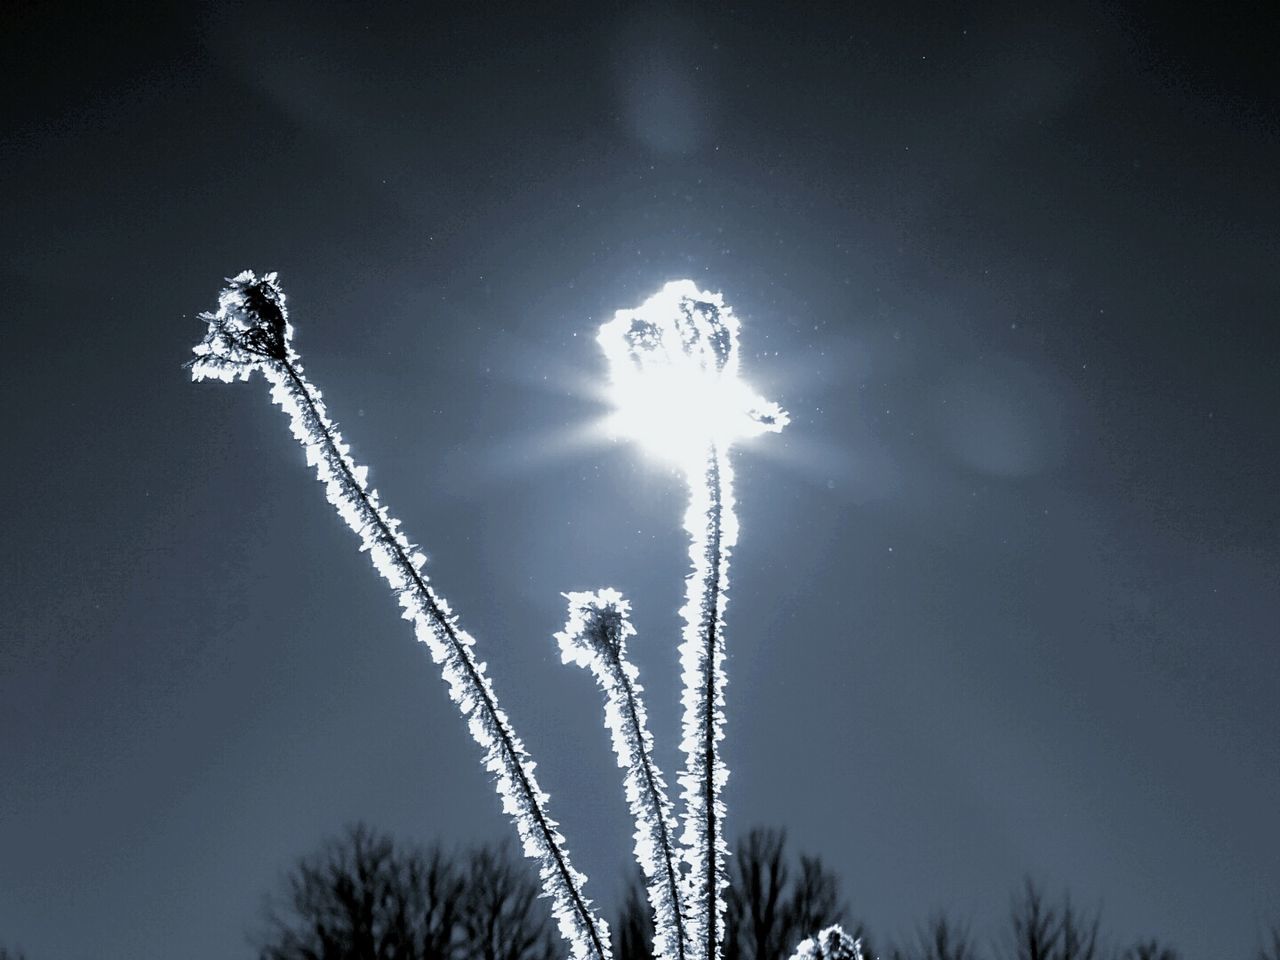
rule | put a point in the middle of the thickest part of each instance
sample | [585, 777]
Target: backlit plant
[675, 389]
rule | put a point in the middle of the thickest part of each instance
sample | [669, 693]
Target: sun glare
[674, 384]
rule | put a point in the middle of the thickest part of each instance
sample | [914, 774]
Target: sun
[674, 384]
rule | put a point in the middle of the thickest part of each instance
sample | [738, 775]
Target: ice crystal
[250, 331]
[595, 637]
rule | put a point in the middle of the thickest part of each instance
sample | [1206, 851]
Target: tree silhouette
[633, 933]
[941, 938]
[772, 903]
[1272, 951]
[1149, 950]
[498, 919]
[768, 913]
[363, 897]
[1042, 931]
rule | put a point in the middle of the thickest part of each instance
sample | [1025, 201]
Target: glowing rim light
[673, 365]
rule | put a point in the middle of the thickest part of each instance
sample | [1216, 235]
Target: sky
[1005, 597]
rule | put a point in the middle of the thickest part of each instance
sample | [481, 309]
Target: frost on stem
[712, 529]
[673, 365]
[595, 637]
[830, 944]
[673, 371]
[250, 331]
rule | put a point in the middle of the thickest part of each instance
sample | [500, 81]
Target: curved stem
[512, 754]
[251, 332]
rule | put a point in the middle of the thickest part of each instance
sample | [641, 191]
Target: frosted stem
[251, 331]
[673, 364]
[595, 636]
[712, 529]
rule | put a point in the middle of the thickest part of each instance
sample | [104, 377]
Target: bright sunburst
[673, 364]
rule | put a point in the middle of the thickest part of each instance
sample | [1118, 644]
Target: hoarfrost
[673, 365]
[830, 944]
[595, 637]
[674, 370]
[712, 530]
[249, 332]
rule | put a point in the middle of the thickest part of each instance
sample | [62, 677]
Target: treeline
[365, 896]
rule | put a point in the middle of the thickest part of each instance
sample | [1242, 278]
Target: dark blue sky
[1006, 595]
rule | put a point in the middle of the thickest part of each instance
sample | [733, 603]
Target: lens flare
[674, 384]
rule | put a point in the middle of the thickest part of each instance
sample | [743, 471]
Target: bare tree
[363, 897]
[498, 919]
[1271, 952]
[773, 903]
[633, 932]
[1042, 931]
[941, 938]
[1149, 950]
[768, 913]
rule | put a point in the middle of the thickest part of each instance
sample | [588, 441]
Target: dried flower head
[673, 365]
[251, 327]
[597, 627]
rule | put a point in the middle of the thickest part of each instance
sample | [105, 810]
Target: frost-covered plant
[251, 331]
[829, 944]
[674, 369]
[596, 637]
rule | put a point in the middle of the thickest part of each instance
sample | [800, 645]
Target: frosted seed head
[708, 331]
[673, 366]
[598, 626]
[250, 327]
